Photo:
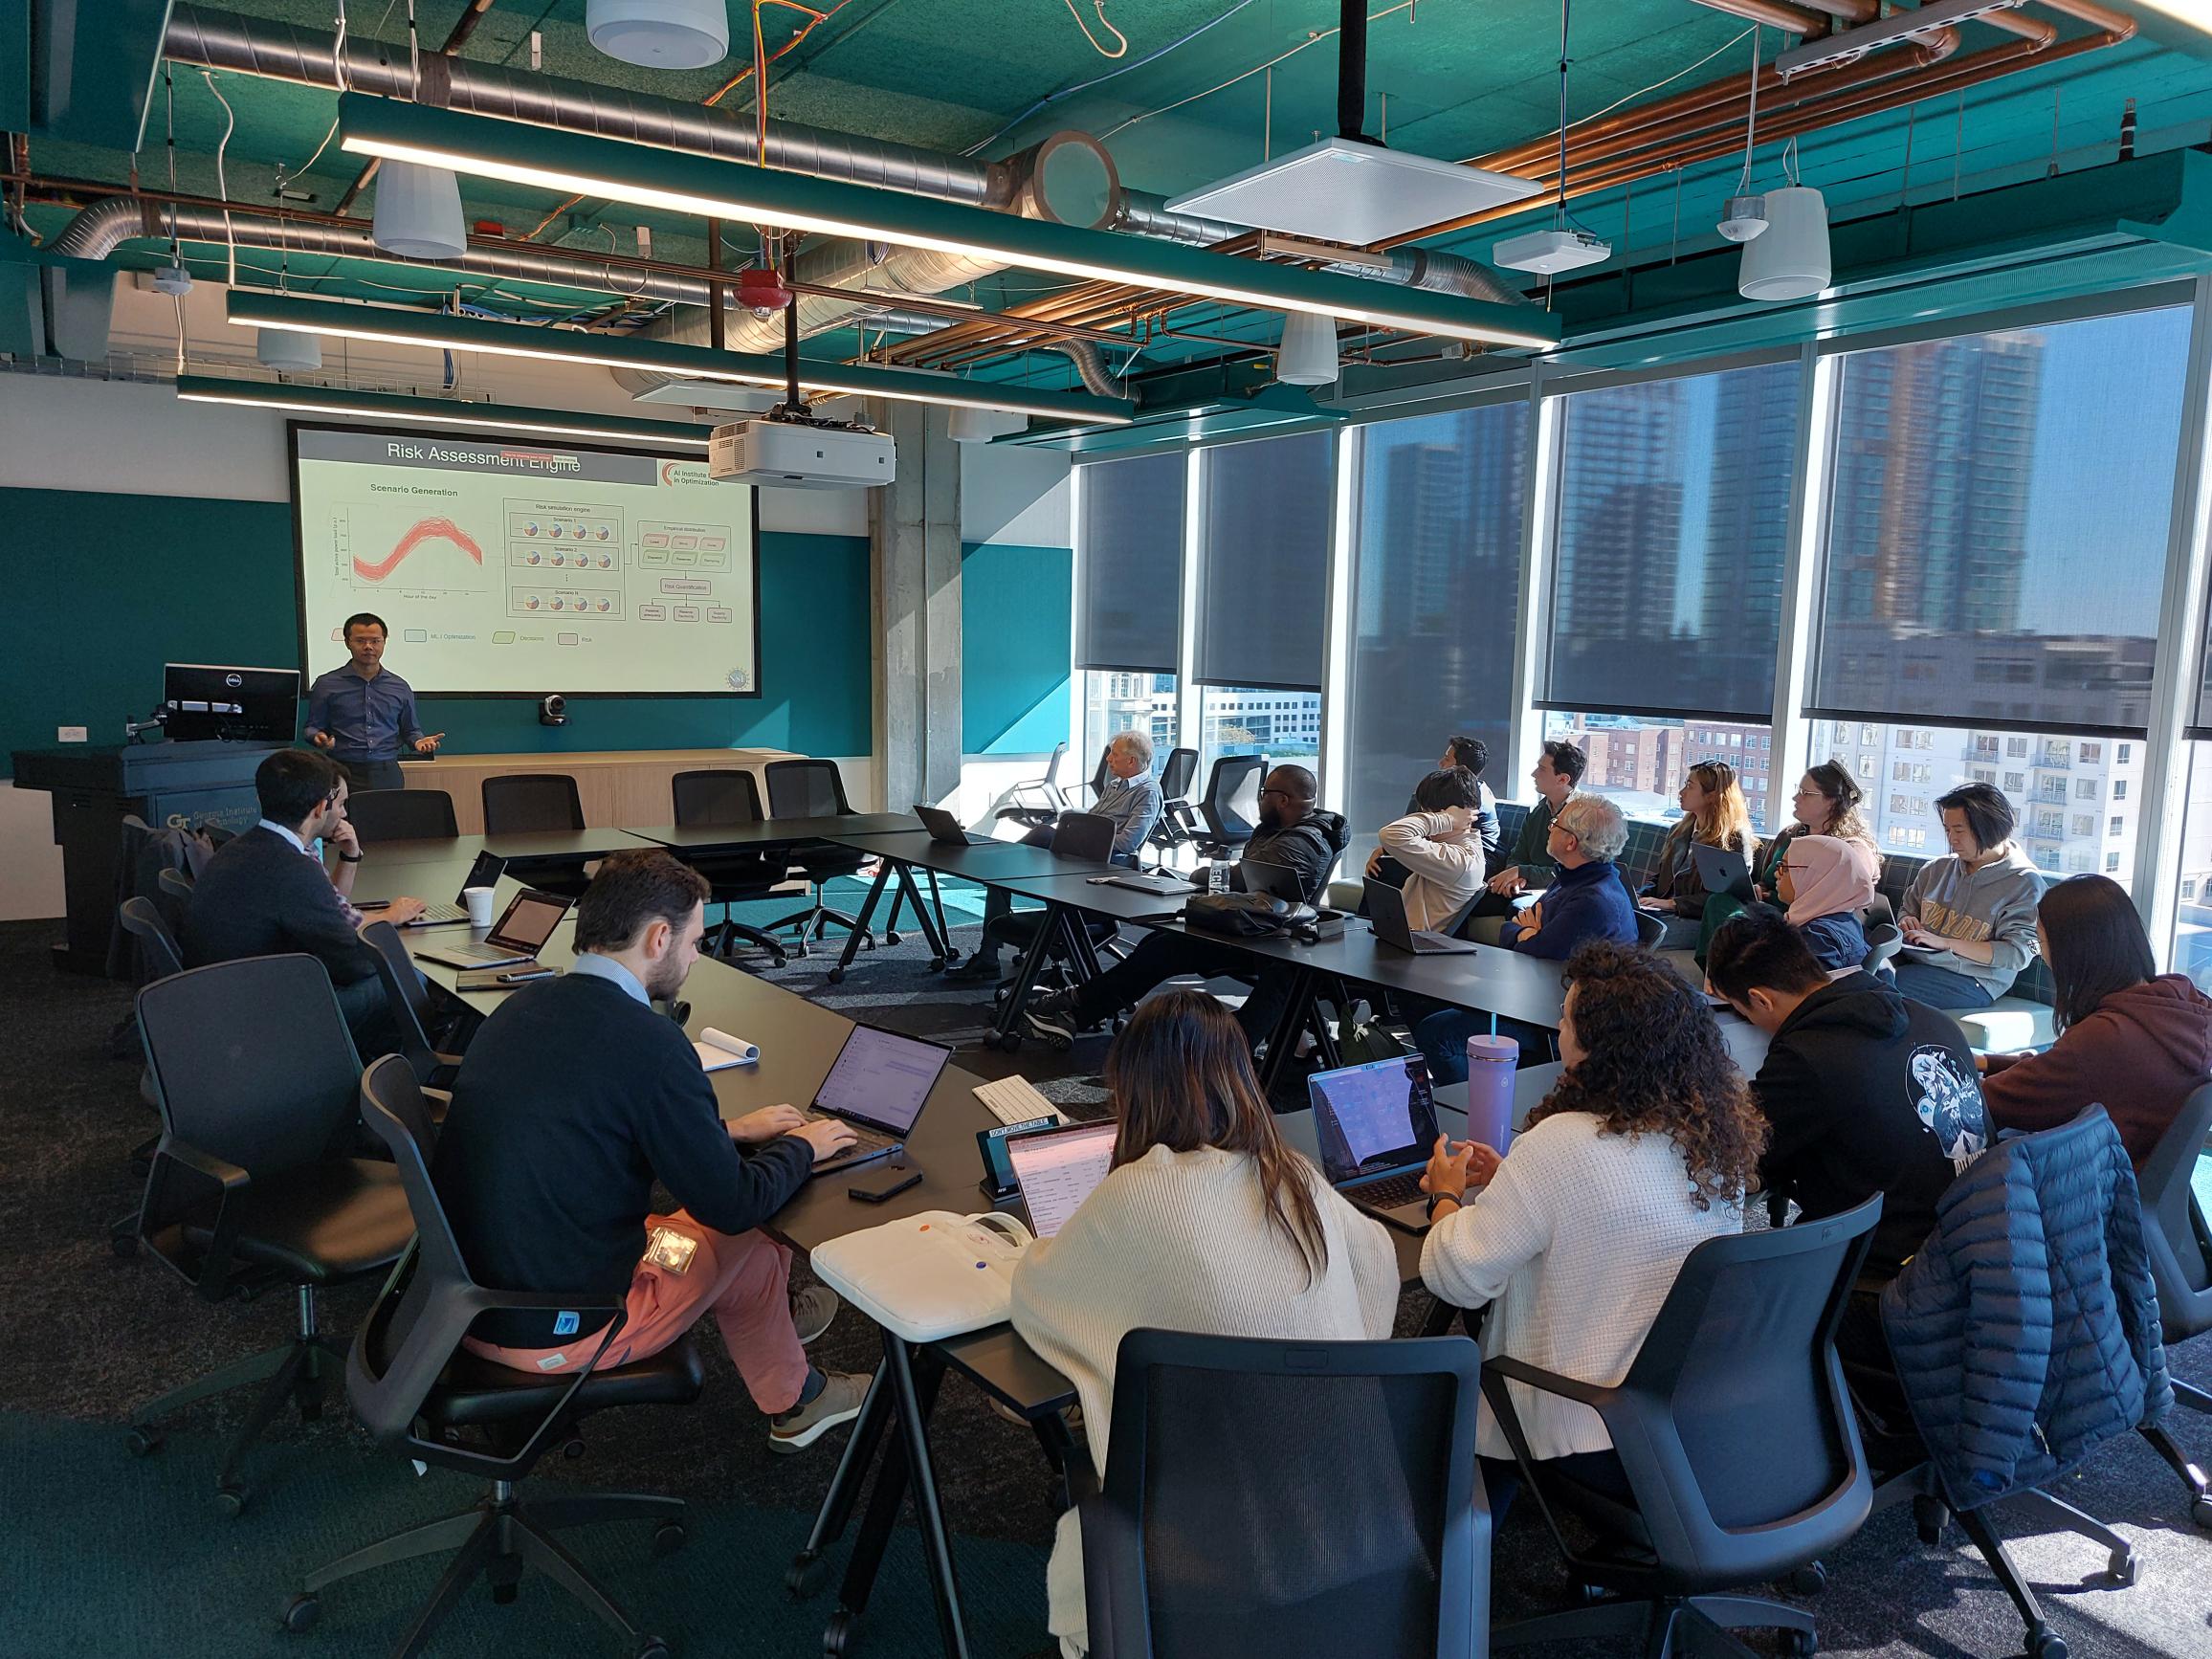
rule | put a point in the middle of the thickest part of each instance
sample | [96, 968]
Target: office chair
[402, 815]
[408, 999]
[1735, 1433]
[1232, 803]
[158, 958]
[2179, 1241]
[1042, 795]
[809, 788]
[1884, 940]
[178, 884]
[1651, 930]
[425, 1395]
[251, 1189]
[726, 799]
[1390, 1549]
[1178, 825]
[1099, 773]
[530, 802]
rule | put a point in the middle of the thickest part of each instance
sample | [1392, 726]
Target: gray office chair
[178, 884]
[728, 798]
[530, 802]
[1231, 806]
[810, 788]
[2179, 1241]
[408, 999]
[383, 816]
[1178, 824]
[1651, 930]
[1884, 939]
[159, 955]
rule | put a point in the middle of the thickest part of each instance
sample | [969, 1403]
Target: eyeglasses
[1284, 793]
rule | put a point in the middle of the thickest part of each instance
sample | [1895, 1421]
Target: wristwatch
[349, 857]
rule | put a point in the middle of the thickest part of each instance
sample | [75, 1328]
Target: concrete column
[914, 531]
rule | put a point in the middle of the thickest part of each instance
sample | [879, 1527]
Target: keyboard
[437, 914]
[1390, 1194]
[1015, 1101]
[864, 1139]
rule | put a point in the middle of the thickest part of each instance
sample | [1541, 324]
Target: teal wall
[1014, 608]
[104, 588]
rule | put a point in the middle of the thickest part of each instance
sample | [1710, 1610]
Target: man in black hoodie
[1293, 834]
[1868, 1093]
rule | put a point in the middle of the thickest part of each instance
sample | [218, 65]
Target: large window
[1997, 542]
[1129, 540]
[1639, 762]
[1434, 598]
[1283, 726]
[2192, 921]
[1673, 532]
[1263, 579]
[1114, 703]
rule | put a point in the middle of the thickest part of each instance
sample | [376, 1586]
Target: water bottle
[1217, 877]
[1491, 1065]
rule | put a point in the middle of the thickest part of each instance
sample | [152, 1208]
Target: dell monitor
[241, 705]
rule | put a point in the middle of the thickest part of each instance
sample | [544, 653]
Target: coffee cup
[479, 901]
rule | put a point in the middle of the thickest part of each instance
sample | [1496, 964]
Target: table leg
[915, 1396]
[1004, 1032]
[943, 933]
[1283, 1040]
[869, 1431]
[883, 870]
[930, 934]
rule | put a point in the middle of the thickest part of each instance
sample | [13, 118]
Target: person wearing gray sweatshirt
[1969, 916]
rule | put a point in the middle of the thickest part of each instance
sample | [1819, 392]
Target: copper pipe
[1773, 13]
[2116, 24]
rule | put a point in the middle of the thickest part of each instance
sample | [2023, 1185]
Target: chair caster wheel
[572, 1449]
[302, 1612]
[1012, 1041]
[124, 1245]
[1809, 1579]
[145, 1442]
[230, 1499]
[891, 938]
[836, 976]
[2045, 1642]
[799, 1575]
[652, 1648]
[1801, 1644]
[2201, 1510]
[838, 1634]
[503, 1595]
[937, 965]
[668, 1537]
[1928, 1515]
[2120, 1568]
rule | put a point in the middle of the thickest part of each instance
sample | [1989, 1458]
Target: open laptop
[1721, 868]
[944, 828]
[1377, 1125]
[1276, 880]
[517, 936]
[876, 1087]
[1387, 917]
[485, 872]
[1057, 1169]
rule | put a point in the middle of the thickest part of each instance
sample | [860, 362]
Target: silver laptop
[876, 1087]
[1057, 1169]
[1377, 1125]
[517, 936]
[485, 872]
[1387, 917]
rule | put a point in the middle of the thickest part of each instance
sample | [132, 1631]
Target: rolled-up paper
[718, 1049]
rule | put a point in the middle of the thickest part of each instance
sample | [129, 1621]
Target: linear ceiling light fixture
[439, 330]
[438, 411]
[573, 163]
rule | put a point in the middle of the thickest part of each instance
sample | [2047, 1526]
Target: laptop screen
[529, 921]
[1377, 1116]
[485, 872]
[881, 1077]
[1278, 879]
[1057, 1169]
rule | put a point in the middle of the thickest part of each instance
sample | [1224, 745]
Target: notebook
[718, 1050]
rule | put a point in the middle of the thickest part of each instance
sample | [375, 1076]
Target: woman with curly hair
[1641, 1152]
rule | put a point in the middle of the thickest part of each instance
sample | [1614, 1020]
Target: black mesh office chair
[1884, 940]
[402, 815]
[728, 798]
[1735, 1432]
[251, 1189]
[1651, 930]
[1232, 803]
[2179, 1241]
[1379, 1540]
[1178, 824]
[408, 999]
[814, 790]
[177, 884]
[158, 958]
[530, 802]
[425, 1395]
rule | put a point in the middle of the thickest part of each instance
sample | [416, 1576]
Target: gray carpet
[104, 1555]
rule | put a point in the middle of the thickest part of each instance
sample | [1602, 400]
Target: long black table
[902, 852]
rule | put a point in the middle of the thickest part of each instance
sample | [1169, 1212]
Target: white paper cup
[479, 901]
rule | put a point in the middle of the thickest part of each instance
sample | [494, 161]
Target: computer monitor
[244, 705]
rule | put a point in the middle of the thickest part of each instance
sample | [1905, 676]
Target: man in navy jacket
[1589, 901]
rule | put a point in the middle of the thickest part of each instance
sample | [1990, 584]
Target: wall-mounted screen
[520, 568]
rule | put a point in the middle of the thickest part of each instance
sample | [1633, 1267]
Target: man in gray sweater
[1969, 915]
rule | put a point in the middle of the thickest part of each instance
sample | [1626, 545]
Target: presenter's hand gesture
[764, 1125]
[322, 739]
[826, 1135]
[428, 745]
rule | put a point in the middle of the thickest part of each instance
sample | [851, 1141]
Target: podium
[94, 790]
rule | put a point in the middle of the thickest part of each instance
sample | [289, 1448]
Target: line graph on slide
[393, 545]
[420, 531]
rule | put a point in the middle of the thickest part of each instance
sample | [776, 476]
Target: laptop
[876, 1087]
[1159, 886]
[944, 828]
[1721, 868]
[1057, 1169]
[517, 936]
[1387, 917]
[1377, 1125]
[485, 872]
[1276, 880]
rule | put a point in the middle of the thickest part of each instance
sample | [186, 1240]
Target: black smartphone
[888, 1185]
[368, 904]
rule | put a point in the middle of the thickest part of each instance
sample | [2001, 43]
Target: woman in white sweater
[1439, 846]
[1207, 1222]
[1641, 1152]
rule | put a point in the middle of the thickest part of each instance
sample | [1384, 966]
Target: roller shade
[1129, 565]
[1264, 561]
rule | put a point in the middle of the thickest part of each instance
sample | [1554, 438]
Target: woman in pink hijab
[1827, 882]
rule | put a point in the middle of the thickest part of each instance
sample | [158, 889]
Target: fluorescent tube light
[677, 181]
[437, 411]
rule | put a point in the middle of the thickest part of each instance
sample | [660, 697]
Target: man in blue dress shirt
[360, 715]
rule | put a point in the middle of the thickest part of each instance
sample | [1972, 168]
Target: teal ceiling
[1451, 78]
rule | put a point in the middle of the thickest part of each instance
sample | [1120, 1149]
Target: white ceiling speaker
[1308, 354]
[418, 212]
[1743, 218]
[979, 426]
[1790, 260]
[660, 34]
[287, 350]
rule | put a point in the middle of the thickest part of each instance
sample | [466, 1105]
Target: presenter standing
[363, 714]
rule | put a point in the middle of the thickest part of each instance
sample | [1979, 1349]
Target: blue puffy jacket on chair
[2026, 1331]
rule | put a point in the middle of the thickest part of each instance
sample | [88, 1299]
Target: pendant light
[1308, 354]
[418, 208]
[1790, 260]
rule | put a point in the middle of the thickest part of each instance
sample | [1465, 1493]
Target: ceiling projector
[1548, 253]
[794, 455]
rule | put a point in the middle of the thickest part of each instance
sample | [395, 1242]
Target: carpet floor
[105, 1554]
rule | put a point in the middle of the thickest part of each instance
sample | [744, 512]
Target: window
[2118, 824]
[1129, 563]
[1288, 730]
[1436, 585]
[2119, 788]
[2015, 783]
[2015, 748]
[2085, 789]
[2112, 863]
[2126, 751]
[1114, 703]
[2085, 824]
[1263, 556]
[2092, 753]
[1907, 772]
[1982, 774]
[2050, 825]
[1639, 763]
[1671, 535]
[1997, 532]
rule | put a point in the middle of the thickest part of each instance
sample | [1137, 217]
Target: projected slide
[516, 567]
